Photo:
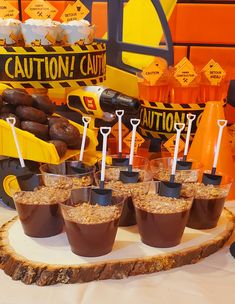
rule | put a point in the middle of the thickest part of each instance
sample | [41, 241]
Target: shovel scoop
[102, 196]
[171, 188]
[213, 178]
[130, 177]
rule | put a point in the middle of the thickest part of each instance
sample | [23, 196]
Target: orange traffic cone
[205, 139]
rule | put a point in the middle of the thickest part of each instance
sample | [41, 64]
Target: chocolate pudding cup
[65, 175]
[161, 220]
[128, 217]
[39, 211]
[208, 203]
[91, 229]
[161, 170]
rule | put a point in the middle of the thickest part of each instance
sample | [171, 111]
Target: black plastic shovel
[130, 177]
[100, 195]
[27, 180]
[184, 164]
[170, 188]
[120, 161]
[213, 178]
[80, 168]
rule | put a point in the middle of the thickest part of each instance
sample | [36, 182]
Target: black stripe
[46, 85]
[95, 46]
[168, 106]
[81, 83]
[142, 102]
[201, 105]
[83, 47]
[185, 106]
[8, 84]
[10, 49]
[68, 48]
[27, 86]
[65, 84]
[153, 104]
[49, 49]
[94, 81]
[29, 49]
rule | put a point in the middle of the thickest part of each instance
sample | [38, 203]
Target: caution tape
[158, 119]
[53, 66]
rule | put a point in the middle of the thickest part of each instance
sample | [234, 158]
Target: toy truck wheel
[8, 171]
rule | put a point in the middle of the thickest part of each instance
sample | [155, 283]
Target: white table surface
[212, 280]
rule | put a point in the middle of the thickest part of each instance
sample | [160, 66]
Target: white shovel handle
[11, 121]
[134, 122]
[221, 124]
[105, 131]
[190, 118]
[86, 120]
[179, 127]
[119, 114]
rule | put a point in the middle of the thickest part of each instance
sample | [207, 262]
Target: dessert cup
[39, 211]
[161, 220]
[77, 32]
[208, 203]
[10, 32]
[112, 174]
[39, 32]
[65, 175]
[161, 170]
[91, 229]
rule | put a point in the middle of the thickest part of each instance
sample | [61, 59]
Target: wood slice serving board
[49, 261]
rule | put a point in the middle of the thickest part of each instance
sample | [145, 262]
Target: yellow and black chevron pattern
[52, 67]
[158, 119]
[53, 49]
[173, 106]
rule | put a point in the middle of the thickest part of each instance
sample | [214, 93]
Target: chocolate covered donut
[4, 116]
[43, 103]
[54, 119]
[17, 97]
[65, 132]
[60, 146]
[39, 130]
[32, 114]
[8, 108]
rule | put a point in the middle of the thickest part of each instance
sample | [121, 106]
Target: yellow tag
[69, 14]
[138, 140]
[209, 65]
[183, 62]
[215, 74]
[170, 145]
[185, 74]
[40, 9]
[77, 11]
[154, 71]
[114, 130]
[7, 10]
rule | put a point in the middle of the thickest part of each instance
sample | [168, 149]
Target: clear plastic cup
[161, 170]
[161, 220]
[128, 189]
[65, 175]
[91, 229]
[208, 203]
[38, 210]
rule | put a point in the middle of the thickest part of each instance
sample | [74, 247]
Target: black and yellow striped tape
[53, 66]
[158, 119]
